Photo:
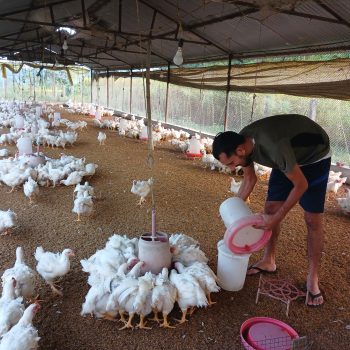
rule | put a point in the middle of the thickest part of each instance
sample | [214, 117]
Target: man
[297, 149]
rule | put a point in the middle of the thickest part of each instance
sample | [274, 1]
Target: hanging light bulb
[65, 45]
[178, 58]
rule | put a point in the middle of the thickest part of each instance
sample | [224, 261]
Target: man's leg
[268, 261]
[314, 224]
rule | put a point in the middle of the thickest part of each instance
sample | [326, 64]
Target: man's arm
[248, 182]
[300, 186]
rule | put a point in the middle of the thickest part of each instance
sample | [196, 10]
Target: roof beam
[332, 12]
[83, 10]
[201, 36]
[295, 13]
[35, 7]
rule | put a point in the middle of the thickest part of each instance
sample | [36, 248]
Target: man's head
[231, 149]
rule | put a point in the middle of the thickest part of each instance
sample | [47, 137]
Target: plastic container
[19, 122]
[232, 268]
[154, 253]
[241, 237]
[194, 148]
[265, 333]
[144, 133]
[24, 145]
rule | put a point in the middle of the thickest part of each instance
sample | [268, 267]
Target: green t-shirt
[282, 141]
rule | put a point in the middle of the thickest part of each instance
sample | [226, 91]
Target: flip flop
[312, 297]
[259, 270]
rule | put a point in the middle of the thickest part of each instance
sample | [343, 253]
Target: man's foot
[261, 268]
[314, 297]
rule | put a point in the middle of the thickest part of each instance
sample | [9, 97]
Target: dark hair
[226, 142]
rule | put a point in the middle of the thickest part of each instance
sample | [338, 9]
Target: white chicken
[52, 265]
[101, 137]
[22, 336]
[189, 293]
[163, 297]
[143, 300]
[96, 302]
[125, 293]
[4, 152]
[83, 205]
[334, 185]
[180, 240]
[344, 203]
[80, 189]
[73, 178]
[30, 189]
[235, 185]
[204, 275]
[188, 255]
[7, 221]
[11, 308]
[24, 275]
[142, 189]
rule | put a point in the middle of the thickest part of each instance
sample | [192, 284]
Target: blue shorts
[313, 199]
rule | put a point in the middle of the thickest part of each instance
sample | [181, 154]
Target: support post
[148, 97]
[107, 87]
[166, 96]
[130, 97]
[227, 90]
[91, 86]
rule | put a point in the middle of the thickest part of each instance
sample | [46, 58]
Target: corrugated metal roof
[114, 33]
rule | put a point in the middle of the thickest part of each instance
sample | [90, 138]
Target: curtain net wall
[49, 86]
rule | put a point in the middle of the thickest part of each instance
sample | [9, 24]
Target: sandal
[311, 297]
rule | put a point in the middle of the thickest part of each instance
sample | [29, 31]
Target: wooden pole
[166, 96]
[130, 97]
[91, 86]
[107, 87]
[148, 98]
[227, 90]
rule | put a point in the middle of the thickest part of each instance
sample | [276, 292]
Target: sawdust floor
[187, 200]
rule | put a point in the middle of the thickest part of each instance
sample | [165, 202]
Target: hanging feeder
[194, 149]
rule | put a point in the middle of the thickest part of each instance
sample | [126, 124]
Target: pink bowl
[237, 226]
[253, 326]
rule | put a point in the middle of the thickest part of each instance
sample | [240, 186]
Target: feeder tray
[193, 155]
[278, 289]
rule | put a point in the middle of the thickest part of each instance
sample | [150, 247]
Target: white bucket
[232, 268]
[194, 147]
[232, 209]
[19, 122]
[24, 145]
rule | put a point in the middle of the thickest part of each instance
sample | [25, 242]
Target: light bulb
[178, 58]
[65, 45]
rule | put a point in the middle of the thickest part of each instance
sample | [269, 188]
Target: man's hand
[269, 222]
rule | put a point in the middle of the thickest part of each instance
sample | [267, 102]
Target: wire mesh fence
[204, 110]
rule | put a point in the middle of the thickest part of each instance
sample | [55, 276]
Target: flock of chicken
[118, 284]
[18, 304]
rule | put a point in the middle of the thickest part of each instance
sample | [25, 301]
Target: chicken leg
[142, 324]
[210, 302]
[141, 201]
[122, 318]
[78, 217]
[183, 318]
[109, 317]
[165, 323]
[128, 324]
[155, 317]
[55, 290]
